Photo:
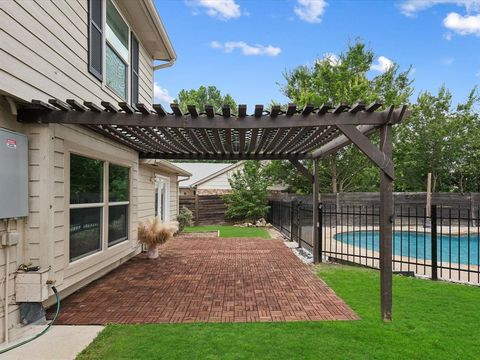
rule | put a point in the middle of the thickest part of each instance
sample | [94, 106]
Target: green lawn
[432, 320]
[232, 231]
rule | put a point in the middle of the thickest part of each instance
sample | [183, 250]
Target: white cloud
[411, 7]
[331, 58]
[383, 64]
[221, 9]
[161, 94]
[248, 50]
[310, 11]
[463, 25]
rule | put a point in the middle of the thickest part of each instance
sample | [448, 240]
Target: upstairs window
[117, 51]
[113, 50]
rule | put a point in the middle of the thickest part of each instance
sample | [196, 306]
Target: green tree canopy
[343, 79]
[204, 95]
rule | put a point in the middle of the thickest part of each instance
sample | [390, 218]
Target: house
[71, 198]
[212, 178]
[208, 178]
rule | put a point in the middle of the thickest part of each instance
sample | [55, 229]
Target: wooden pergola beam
[110, 117]
[302, 169]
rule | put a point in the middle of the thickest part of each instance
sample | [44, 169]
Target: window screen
[95, 38]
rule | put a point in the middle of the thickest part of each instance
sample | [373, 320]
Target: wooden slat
[275, 111]
[340, 108]
[357, 107]
[93, 107]
[263, 140]
[109, 107]
[142, 108]
[258, 111]
[198, 144]
[275, 140]
[209, 111]
[288, 137]
[192, 110]
[159, 109]
[226, 111]
[324, 108]
[291, 109]
[242, 133]
[298, 137]
[76, 105]
[188, 145]
[253, 141]
[373, 106]
[242, 111]
[60, 104]
[302, 169]
[206, 138]
[176, 109]
[169, 138]
[42, 105]
[218, 141]
[236, 156]
[295, 147]
[161, 141]
[307, 109]
[127, 107]
[228, 141]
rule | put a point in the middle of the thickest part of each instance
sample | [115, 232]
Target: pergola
[230, 134]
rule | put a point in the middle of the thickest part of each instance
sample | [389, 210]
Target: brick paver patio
[208, 280]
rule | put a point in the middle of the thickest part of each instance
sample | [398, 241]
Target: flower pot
[152, 251]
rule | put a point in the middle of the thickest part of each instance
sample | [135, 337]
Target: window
[86, 206]
[117, 53]
[113, 47]
[162, 188]
[93, 199]
[118, 184]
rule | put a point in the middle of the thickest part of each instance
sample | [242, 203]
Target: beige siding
[219, 182]
[39, 59]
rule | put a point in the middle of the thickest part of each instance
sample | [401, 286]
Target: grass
[232, 231]
[432, 320]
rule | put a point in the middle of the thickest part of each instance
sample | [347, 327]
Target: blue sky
[243, 47]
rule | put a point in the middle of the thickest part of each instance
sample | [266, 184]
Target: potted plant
[153, 233]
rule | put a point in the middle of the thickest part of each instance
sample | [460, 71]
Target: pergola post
[386, 222]
[315, 231]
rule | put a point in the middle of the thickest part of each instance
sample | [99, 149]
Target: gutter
[164, 65]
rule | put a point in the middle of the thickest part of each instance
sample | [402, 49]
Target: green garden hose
[44, 330]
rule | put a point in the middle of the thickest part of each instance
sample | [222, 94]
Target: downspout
[178, 190]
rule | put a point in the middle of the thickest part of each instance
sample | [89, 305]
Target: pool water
[418, 245]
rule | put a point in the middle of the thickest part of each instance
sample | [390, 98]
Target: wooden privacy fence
[210, 208]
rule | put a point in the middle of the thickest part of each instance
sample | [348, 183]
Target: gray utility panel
[13, 174]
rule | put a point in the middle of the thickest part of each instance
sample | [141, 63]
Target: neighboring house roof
[145, 21]
[203, 172]
[165, 166]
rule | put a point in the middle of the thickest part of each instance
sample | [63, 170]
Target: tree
[345, 79]
[204, 95]
[249, 197]
[442, 140]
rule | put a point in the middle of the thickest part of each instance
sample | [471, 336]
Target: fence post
[291, 219]
[320, 231]
[433, 214]
[299, 229]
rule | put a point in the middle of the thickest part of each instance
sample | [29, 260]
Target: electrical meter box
[13, 174]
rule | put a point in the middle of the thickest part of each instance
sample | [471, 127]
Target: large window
[116, 56]
[93, 199]
[86, 206]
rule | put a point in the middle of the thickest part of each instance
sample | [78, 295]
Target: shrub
[249, 197]
[184, 218]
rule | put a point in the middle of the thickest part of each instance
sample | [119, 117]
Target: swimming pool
[418, 245]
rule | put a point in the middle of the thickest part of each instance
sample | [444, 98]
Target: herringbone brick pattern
[208, 280]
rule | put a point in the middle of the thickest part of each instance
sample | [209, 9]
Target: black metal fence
[442, 243]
